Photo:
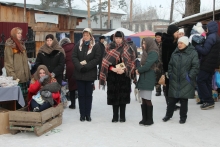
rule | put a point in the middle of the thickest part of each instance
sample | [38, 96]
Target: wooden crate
[38, 122]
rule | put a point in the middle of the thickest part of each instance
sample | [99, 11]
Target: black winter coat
[54, 62]
[102, 47]
[168, 47]
[183, 68]
[92, 60]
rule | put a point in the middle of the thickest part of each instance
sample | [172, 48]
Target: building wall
[114, 21]
[149, 25]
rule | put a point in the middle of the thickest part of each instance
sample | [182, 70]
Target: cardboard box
[4, 121]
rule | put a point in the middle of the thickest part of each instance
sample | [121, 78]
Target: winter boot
[149, 112]
[72, 100]
[144, 114]
[115, 113]
[122, 113]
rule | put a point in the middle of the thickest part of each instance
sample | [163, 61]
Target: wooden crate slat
[24, 116]
[52, 112]
[22, 128]
[48, 126]
[25, 124]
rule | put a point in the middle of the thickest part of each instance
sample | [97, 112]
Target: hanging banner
[46, 18]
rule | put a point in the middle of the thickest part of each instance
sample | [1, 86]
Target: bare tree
[192, 7]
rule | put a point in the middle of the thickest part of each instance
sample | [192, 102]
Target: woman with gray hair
[66, 44]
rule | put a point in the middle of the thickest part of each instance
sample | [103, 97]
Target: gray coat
[182, 69]
[92, 60]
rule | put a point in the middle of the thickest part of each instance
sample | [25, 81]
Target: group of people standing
[170, 54]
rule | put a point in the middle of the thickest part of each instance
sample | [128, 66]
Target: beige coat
[16, 64]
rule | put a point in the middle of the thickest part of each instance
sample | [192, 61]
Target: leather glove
[46, 93]
[83, 70]
[43, 78]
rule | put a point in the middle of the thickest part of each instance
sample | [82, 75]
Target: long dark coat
[118, 87]
[68, 48]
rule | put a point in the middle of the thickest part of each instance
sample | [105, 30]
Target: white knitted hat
[184, 40]
[181, 30]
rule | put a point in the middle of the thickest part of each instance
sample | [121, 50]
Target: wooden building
[14, 12]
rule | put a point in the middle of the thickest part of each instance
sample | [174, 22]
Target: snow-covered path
[200, 130]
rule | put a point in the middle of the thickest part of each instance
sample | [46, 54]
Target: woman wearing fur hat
[43, 92]
[86, 56]
[169, 44]
[70, 69]
[52, 55]
[118, 68]
[147, 78]
[16, 61]
[182, 71]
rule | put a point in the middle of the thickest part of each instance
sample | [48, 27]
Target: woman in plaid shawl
[118, 79]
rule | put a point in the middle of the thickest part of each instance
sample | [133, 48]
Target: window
[142, 27]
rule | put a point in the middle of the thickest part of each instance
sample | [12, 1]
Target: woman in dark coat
[118, 79]
[86, 56]
[52, 55]
[169, 44]
[68, 48]
[182, 71]
[147, 78]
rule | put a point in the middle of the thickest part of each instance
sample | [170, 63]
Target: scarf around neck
[55, 46]
[91, 44]
[114, 53]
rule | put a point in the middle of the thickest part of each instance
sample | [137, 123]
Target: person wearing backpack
[147, 78]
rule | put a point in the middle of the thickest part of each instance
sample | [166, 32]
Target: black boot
[72, 100]
[115, 113]
[149, 112]
[144, 114]
[122, 113]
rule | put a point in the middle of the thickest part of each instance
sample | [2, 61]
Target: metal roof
[193, 19]
[62, 11]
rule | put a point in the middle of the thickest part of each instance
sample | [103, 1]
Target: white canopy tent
[125, 31]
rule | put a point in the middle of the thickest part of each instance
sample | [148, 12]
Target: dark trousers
[183, 107]
[43, 107]
[85, 91]
[204, 83]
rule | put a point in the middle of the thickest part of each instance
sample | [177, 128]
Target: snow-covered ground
[200, 130]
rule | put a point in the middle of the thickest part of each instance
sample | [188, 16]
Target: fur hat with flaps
[37, 74]
[19, 45]
[64, 41]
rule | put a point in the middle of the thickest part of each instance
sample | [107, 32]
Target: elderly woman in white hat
[182, 70]
[86, 57]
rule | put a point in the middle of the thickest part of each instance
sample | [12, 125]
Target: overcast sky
[163, 6]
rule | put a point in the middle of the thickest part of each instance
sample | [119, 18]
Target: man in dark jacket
[85, 57]
[158, 36]
[102, 47]
[169, 44]
[208, 63]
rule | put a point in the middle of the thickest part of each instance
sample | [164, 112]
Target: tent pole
[213, 10]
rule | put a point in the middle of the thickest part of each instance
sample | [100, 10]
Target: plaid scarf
[112, 55]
